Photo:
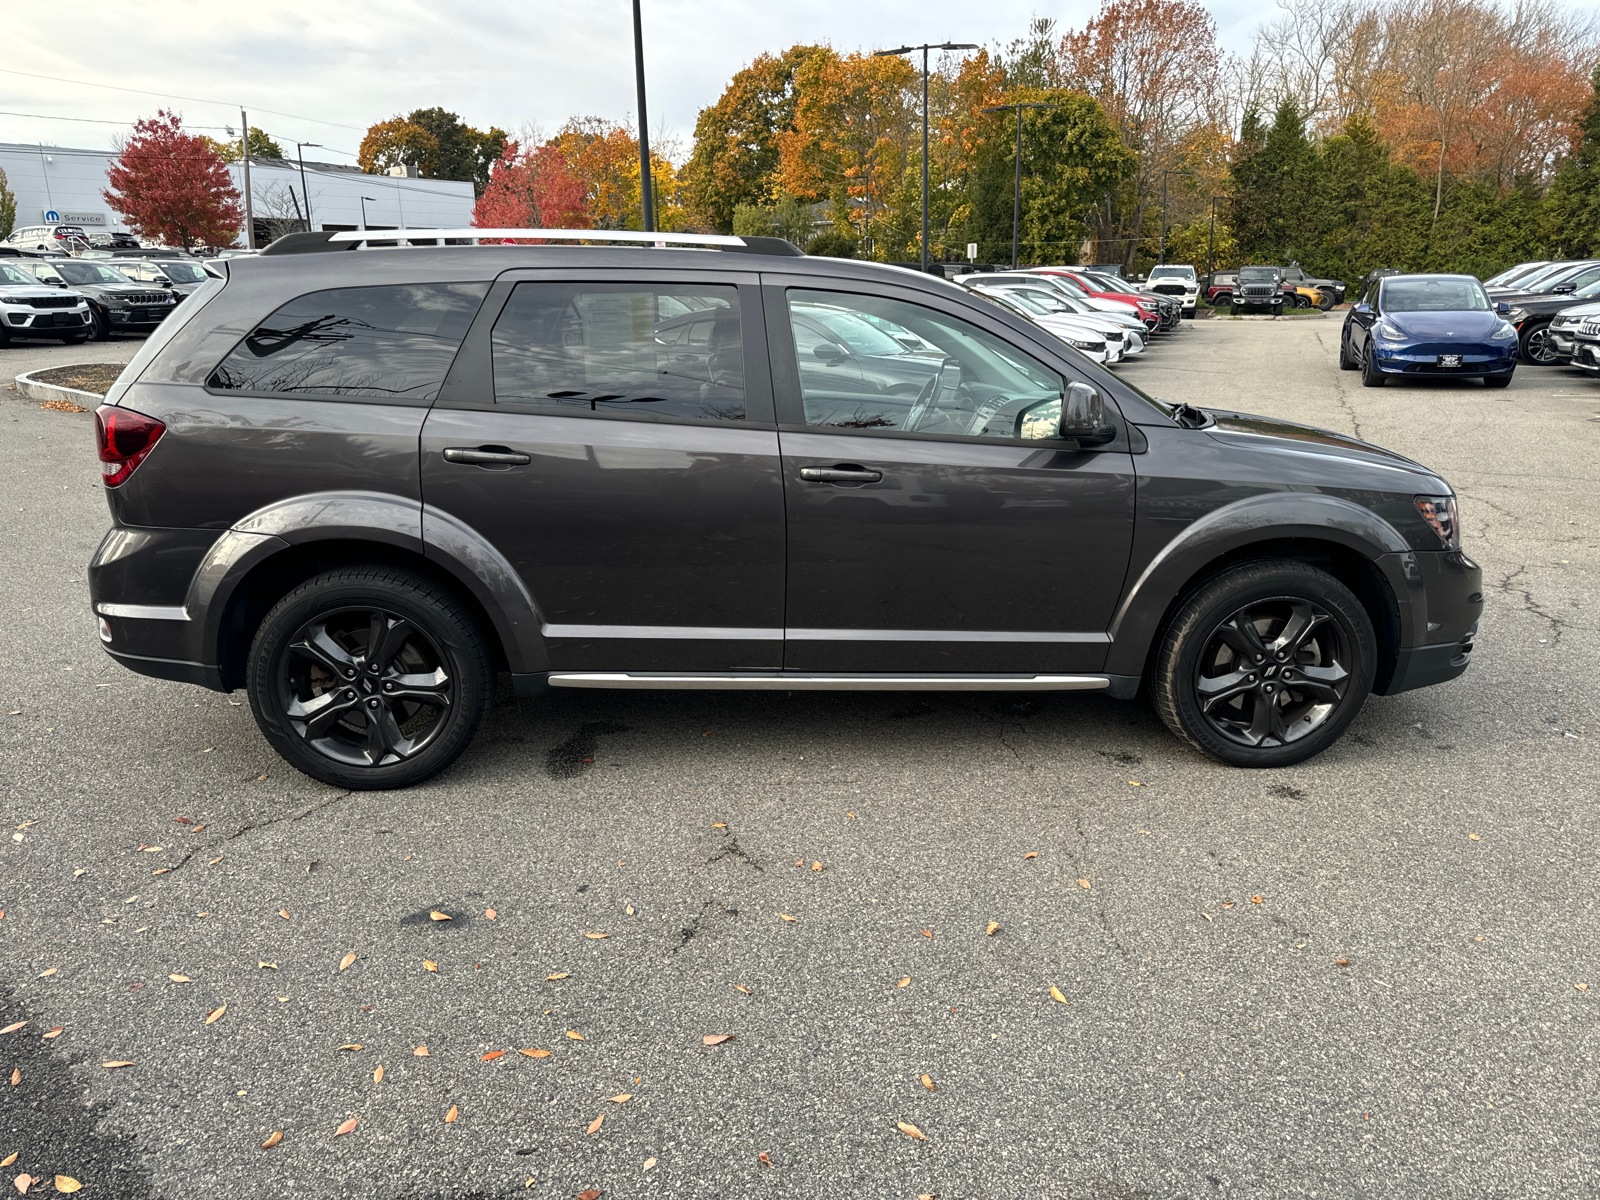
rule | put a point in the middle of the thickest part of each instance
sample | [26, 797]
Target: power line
[174, 96]
[96, 120]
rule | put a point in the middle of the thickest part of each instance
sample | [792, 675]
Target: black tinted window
[631, 348]
[386, 342]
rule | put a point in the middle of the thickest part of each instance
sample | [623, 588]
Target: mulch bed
[89, 377]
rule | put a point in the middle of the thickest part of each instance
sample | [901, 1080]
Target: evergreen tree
[1572, 206]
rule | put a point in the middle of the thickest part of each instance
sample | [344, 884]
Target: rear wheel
[369, 677]
[1347, 361]
[1326, 302]
[1266, 664]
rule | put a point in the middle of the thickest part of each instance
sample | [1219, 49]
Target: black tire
[1326, 302]
[1233, 310]
[1497, 381]
[1302, 301]
[99, 325]
[1370, 375]
[75, 339]
[1213, 692]
[1535, 347]
[429, 690]
[1347, 361]
[1277, 310]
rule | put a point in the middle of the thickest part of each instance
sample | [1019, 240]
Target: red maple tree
[532, 189]
[171, 186]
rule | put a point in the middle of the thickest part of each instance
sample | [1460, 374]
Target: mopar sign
[86, 220]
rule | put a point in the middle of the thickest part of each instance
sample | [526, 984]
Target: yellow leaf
[1582, 987]
[429, 965]
[786, 917]
[10, 1158]
[16, 1076]
[575, 1035]
[991, 929]
[816, 866]
[594, 1125]
[351, 1046]
[911, 1131]
[719, 824]
[214, 861]
[1031, 854]
[450, 1117]
[928, 1083]
[179, 978]
[66, 1183]
[622, 1099]
[716, 1039]
[1257, 900]
[346, 961]
[439, 916]
[377, 1076]
[13, 1028]
[215, 1014]
[111, 1066]
[346, 1127]
[648, 1163]
[739, 987]
[1084, 884]
[535, 1053]
[265, 966]
[1055, 994]
[559, 975]
[595, 937]
[903, 982]
[273, 1139]
[45, 974]
[55, 1033]
[1474, 837]
[420, 1052]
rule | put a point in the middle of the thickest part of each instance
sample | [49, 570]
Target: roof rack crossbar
[554, 235]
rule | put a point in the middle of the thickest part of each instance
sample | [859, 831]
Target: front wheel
[99, 325]
[1370, 375]
[1266, 664]
[1347, 361]
[75, 339]
[369, 677]
[1536, 346]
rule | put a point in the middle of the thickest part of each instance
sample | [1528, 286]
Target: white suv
[1178, 282]
[30, 309]
[58, 238]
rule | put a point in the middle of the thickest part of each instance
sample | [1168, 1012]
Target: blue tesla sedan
[1433, 325]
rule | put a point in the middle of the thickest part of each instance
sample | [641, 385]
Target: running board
[794, 681]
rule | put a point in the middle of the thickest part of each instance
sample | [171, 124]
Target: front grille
[1590, 329]
[148, 298]
[1255, 290]
[1169, 289]
[50, 302]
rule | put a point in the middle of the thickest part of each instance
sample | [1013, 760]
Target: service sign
[86, 220]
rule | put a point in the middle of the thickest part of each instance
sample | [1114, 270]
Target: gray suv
[358, 483]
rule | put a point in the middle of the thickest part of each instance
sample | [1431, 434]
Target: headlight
[1385, 330]
[1517, 315]
[1503, 334]
[1440, 514]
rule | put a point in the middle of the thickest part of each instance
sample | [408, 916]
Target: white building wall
[69, 182]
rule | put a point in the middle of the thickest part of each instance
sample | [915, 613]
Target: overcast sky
[532, 63]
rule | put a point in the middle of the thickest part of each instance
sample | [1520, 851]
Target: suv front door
[611, 435]
[937, 522]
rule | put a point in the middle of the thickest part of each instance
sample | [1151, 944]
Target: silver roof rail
[553, 235]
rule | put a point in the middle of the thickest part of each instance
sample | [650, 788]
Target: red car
[1149, 308]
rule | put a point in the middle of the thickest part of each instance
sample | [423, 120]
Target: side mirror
[1502, 308]
[1561, 289]
[1362, 308]
[830, 353]
[1082, 412]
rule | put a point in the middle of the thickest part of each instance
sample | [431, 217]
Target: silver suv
[30, 309]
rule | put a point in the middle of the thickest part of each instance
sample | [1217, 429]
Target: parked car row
[96, 294]
[1547, 303]
[1272, 287]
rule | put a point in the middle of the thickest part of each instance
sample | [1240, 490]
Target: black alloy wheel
[100, 327]
[1266, 664]
[1327, 301]
[1347, 361]
[1301, 301]
[1370, 375]
[1536, 346]
[369, 677]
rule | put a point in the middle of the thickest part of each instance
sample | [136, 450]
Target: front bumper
[1476, 358]
[50, 322]
[1586, 355]
[1443, 591]
[139, 316]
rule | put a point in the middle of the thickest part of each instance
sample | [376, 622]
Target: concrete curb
[34, 390]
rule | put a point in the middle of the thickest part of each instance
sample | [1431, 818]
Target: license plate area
[1449, 360]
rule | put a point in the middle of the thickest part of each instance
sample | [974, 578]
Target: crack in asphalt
[1529, 604]
[734, 850]
[254, 825]
[1339, 395]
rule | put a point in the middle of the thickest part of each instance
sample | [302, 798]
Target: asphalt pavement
[1372, 975]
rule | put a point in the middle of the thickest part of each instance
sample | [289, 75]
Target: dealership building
[61, 185]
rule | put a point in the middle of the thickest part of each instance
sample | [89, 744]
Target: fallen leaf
[186, 820]
[559, 975]
[13, 1028]
[439, 916]
[590, 1194]
[351, 1046]
[23, 1183]
[283, 913]
[911, 1131]
[1474, 837]
[927, 933]
[47, 973]
[1257, 900]
[10, 1158]
[490, 913]
[928, 1083]
[273, 1139]
[214, 861]
[816, 866]
[622, 1099]
[55, 1033]
[429, 965]
[492, 1055]
[1227, 904]
[16, 1076]
[594, 1125]
[786, 917]
[903, 982]
[111, 1066]
[535, 1053]
[1134, 783]
[1055, 994]
[595, 937]
[346, 961]
[215, 1014]
[450, 1117]
[648, 1163]
[575, 1035]
[1341, 962]
[739, 987]
[629, 910]
[77, 873]
[1031, 854]
[377, 1076]
[162, 871]
[716, 1039]
[719, 824]
[420, 1052]
[346, 1127]
[66, 1183]
[1084, 884]
[764, 1159]
[991, 929]
[1582, 987]
[180, 979]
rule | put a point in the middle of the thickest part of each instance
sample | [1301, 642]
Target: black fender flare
[1266, 517]
[380, 517]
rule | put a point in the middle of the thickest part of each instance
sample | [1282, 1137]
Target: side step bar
[796, 681]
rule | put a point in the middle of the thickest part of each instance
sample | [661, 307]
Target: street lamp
[1016, 186]
[1164, 175]
[364, 200]
[1211, 240]
[300, 155]
[910, 50]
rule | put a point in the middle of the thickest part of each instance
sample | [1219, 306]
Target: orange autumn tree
[604, 156]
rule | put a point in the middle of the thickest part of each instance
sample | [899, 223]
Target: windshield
[82, 272]
[1106, 284]
[1257, 274]
[182, 272]
[1171, 272]
[1510, 273]
[1445, 294]
[1022, 300]
[12, 275]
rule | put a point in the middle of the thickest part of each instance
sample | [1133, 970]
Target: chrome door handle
[839, 475]
[503, 458]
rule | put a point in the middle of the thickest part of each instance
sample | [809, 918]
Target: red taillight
[124, 437]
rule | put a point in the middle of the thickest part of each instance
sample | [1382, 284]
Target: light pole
[300, 156]
[909, 50]
[645, 190]
[1164, 175]
[1211, 240]
[1016, 185]
[364, 200]
[249, 211]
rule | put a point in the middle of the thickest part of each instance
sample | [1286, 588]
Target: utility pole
[300, 154]
[249, 211]
[646, 192]
[1211, 241]
[909, 50]
[1016, 183]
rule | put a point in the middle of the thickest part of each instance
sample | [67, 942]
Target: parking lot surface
[1374, 974]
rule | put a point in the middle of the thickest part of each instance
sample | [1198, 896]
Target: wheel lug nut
[388, 687]
[373, 703]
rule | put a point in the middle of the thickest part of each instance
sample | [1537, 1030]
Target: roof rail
[321, 242]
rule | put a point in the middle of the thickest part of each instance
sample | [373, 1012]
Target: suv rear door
[924, 535]
[611, 434]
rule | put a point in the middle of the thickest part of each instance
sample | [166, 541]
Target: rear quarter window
[384, 343]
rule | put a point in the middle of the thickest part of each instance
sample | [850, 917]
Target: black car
[116, 303]
[360, 484]
[113, 241]
[1372, 277]
[1531, 313]
[1257, 288]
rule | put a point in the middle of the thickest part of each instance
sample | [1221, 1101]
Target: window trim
[470, 383]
